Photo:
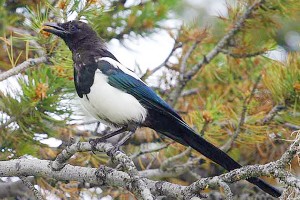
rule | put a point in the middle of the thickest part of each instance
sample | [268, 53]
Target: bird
[117, 97]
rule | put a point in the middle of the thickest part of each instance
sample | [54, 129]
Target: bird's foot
[94, 142]
[114, 150]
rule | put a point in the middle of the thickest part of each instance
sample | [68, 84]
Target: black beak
[54, 28]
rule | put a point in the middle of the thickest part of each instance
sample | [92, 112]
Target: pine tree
[218, 76]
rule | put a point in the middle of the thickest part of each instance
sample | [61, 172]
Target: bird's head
[74, 33]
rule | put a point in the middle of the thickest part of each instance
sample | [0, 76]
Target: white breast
[110, 104]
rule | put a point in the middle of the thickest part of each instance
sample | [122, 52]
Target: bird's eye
[74, 28]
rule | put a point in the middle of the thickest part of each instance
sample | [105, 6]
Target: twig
[145, 151]
[237, 131]
[275, 169]
[173, 159]
[204, 128]
[292, 126]
[23, 66]
[272, 114]
[15, 189]
[164, 63]
[173, 170]
[213, 53]
[189, 92]
[242, 55]
[152, 161]
[186, 57]
[28, 184]
[287, 157]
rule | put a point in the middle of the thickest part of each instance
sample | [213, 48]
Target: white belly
[112, 105]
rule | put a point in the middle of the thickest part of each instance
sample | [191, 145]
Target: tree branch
[15, 189]
[186, 56]
[164, 63]
[237, 131]
[139, 187]
[30, 186]
[106, 176]
[145, 151]
[23, 66]
[171, 160]
[272, 114]
[242, 55]
[213, 53]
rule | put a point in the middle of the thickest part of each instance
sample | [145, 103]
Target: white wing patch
[110, 104]
[118, 65]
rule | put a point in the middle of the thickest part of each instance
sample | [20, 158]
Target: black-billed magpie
[117, 97]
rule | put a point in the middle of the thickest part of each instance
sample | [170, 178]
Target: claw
[94, 142]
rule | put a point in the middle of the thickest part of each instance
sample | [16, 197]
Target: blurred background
[245, 101]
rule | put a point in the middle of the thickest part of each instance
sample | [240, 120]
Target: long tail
[179, 131]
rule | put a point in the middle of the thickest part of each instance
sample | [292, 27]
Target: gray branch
[15, 189]
[273, 112]
[30, 186]
[140, 184]
[139, 187]
[23, 66]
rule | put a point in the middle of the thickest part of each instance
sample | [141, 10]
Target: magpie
[116, 96]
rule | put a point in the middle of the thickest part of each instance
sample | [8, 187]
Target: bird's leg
[94, 142]
[96, 129]
[122, 141]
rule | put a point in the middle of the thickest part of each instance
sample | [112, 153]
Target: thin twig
[189, 92]
[213, 53]
[203, 128]
[30, 186]
[185, 57]
[242, 55]
[287, 157]
[173, 159]
[273, 112]
[237, 131]
[164, 63]
[152, 161]
[145, 151]
[226, 189]
[292, 126]
[23, 66]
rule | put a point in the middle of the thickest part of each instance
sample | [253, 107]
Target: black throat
[85, 64]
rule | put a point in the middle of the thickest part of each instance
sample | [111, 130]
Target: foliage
[43, 104]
